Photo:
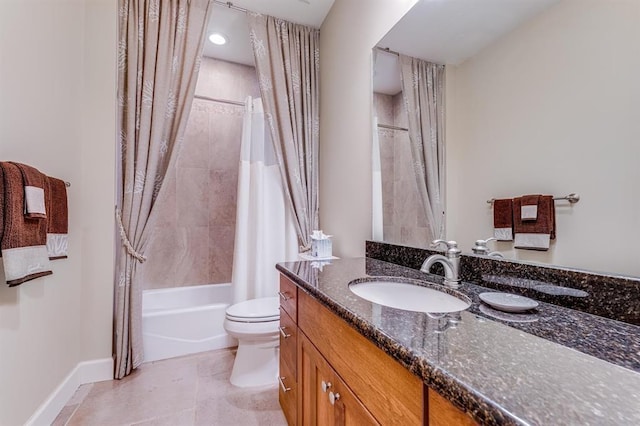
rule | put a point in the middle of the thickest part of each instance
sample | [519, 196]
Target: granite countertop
[492, 365]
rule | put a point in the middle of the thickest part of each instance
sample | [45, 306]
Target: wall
[404, 220]
[553, 108]
[345, 116]
[57, 112]
[194, 235]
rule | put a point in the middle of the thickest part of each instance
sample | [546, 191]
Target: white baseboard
[85, 372]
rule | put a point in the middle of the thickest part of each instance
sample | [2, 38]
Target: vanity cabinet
[332, 375]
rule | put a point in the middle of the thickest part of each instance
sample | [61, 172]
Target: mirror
[542, 97]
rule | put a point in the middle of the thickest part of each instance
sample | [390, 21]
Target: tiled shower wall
[404, 220]
[193, 237]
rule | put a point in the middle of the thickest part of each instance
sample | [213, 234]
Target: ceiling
[450, 32]
[234, 25]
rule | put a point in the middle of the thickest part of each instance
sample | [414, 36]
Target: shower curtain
[423, 93]
[377, 233]
[265, 230]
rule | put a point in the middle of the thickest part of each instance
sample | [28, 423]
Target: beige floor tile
[182, 391]
[80, 394]
[185, 417]
[65, 415]
[241, 407]
[155, 390]
[216, 362]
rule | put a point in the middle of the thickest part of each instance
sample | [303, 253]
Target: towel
[24, 252]
[529, 209]
[1, 206]
[503, 220]
[535, 235]
[57, 219]
[34, 181]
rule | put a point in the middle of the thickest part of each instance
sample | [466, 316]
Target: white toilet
[255, 324]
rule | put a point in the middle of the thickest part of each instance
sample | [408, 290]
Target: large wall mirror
[540, 97]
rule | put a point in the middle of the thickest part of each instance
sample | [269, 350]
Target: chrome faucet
[480, 247]
[451, 263]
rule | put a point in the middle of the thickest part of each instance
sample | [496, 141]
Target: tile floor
[184, 391]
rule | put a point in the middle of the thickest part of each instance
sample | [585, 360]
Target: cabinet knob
[325, 386]
[283, 333]
[333, 397]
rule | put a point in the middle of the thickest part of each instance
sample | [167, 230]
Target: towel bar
[572, 198]
[67, 184]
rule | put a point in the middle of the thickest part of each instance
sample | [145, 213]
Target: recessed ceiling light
[217, 38]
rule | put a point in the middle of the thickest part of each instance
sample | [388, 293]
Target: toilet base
[256, 364]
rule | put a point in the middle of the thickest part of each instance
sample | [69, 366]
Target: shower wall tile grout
[193, 237]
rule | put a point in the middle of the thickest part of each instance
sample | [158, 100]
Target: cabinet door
[287, 394]
[326, 400]
[443, 413]
[395, 397]
[347, 409]
[314, 382]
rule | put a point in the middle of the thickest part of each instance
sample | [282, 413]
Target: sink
[409, 295]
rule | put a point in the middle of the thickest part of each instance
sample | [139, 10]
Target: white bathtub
[184, 320]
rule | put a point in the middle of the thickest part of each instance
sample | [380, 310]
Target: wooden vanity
[331, 374]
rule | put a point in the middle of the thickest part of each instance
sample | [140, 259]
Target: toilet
[254, 323]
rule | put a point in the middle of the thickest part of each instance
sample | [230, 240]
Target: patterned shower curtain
[423, 93]
[287, 61]
[159, 51]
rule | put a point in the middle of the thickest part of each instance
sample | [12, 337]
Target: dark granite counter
[490, 364]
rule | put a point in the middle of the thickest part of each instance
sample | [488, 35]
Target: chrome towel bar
[572, 198]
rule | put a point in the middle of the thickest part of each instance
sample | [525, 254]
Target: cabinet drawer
[288, 341]
[289, 297]
[288, 393]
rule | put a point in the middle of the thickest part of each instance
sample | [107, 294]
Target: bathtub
[184, 320]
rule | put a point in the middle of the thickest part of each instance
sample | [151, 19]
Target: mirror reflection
[539, 97]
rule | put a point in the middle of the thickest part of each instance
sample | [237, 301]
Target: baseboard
[85, 372]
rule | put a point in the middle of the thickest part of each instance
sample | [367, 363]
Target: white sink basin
[408, 296]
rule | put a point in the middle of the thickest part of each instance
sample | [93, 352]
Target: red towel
[1, 206]
[503, 220]
[535, 234]
[57, 220]
[24, 252]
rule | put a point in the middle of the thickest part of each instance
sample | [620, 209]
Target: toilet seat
[264, 309]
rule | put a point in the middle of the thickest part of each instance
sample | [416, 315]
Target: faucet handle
[452, 247]
[450, 244]
[483, 243]
[480, 246]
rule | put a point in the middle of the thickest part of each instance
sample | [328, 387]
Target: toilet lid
[255, 310]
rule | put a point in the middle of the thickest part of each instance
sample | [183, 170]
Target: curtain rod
[229, 5]
[572, 198]
[387, 50]
[388, 126]
[221, 101]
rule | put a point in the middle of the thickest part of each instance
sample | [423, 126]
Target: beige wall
[194, 235]
[553, 108]
[57, 96]
[347, 35]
